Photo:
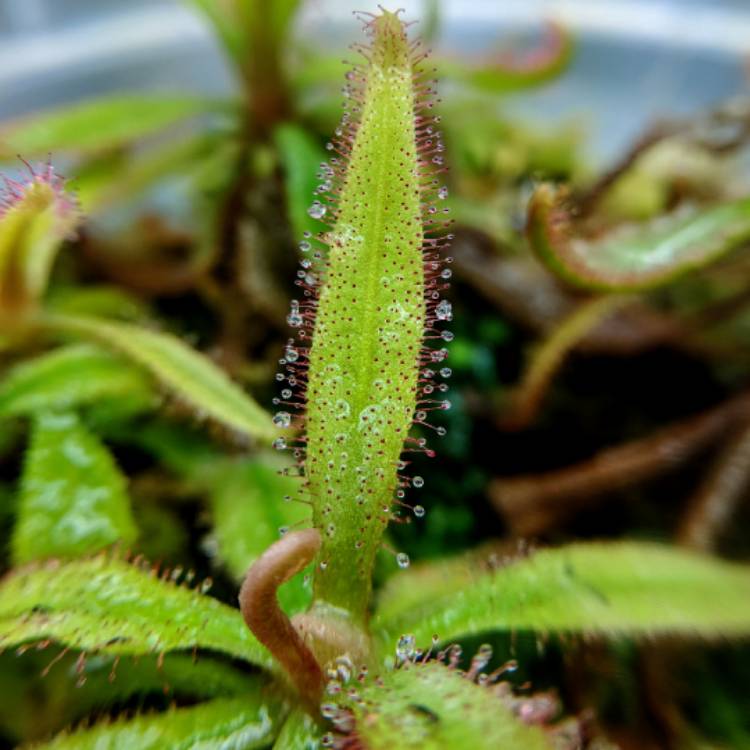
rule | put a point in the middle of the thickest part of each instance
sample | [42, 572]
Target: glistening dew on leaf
[363, 366]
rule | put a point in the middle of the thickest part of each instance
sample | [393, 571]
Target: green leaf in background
[189, 375]
[633, 257]
[300, 156]
[514, 72]
[633, 589]
[242, 723]
[98, 300]
[431, 707]
[248, 508]
[108, 605]
[223, 16]
[73, 499]
[99, 124]
[69, 378]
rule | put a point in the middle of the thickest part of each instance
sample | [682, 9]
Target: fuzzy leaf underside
[629, 589]
[107, 605]
[634, 257]
[98, 124]
[244, 723]
[189, 375]
[430, 707]
[32, 231]
[248, 511]
[73, 499]
[364, 358]
[53, 381]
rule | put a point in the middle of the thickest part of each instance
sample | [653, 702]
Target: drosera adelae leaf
[362, 367]
[109, 605]
[633, 257]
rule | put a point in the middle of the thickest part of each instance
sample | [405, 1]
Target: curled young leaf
[73, 499]
[108, 605]
[36, 216]
[633, 257]
[627, 588]
[188, 374]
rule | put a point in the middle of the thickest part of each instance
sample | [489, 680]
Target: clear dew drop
[443, 193]
[282, 419]
[446, 273]
[417, 482]
[291, 354]
[286, 393]
[279, 444]
[403, 560]
[305, 246]
[447, 335]
[419, 511]
[328, 710]
[317, 210]
[446, 372]
[405, 647]
[327, 740]
[444, 311]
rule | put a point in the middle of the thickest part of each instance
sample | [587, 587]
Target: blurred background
[193, 147]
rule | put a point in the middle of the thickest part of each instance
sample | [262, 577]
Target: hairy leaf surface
[609, 589]
[190, 375]
[243, 723]
[634, 257]
[430, 707]
[109, 605]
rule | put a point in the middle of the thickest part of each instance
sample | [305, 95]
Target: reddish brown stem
[266, 619]
[532, 504]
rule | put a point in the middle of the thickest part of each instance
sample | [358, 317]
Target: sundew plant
[339, 640]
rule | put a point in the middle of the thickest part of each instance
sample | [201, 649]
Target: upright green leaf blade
[243, 723]
[73, 499]
[613, 589]
[190, 375]
[108, 605]
[431, 707]
[300, 732]
[99, 123]
[634, 257]
[69, 378]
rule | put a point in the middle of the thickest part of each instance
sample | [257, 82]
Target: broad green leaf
[300, 732]
[99, 124]
[248, 508]
[301, 157]
[631, 589]
[69, 378]
[107, 605]
[37, 217]
[242, 723]
[223, 16]
[73, 499]
[431, 707]
[634, 257]
[189, 375]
